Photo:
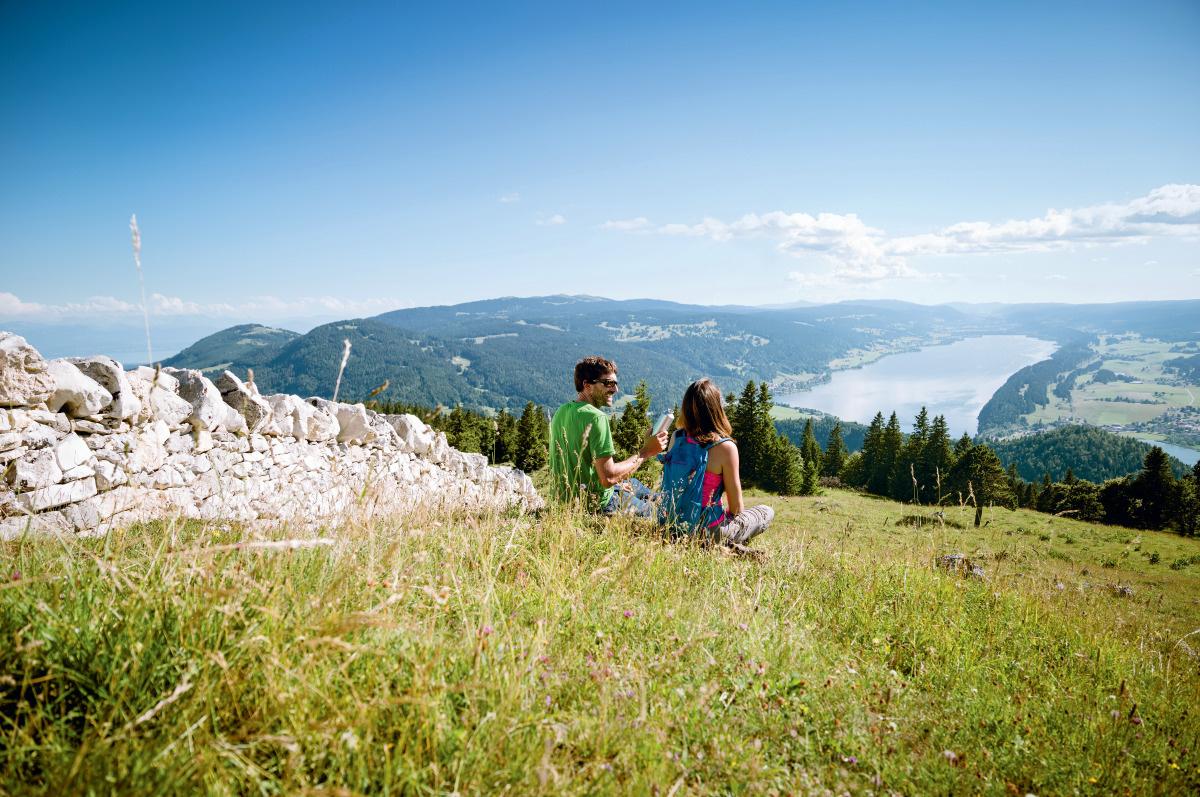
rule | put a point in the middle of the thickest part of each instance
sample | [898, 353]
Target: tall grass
[136, 238]
[569, 655]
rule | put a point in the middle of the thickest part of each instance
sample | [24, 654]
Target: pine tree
[461, 431]
[1156, 489]
[871, 451]
[962, 446]
[810, 449]
[764, 430]
[936, 460]
[785, 471]
[1187, 511]
[980, 471]
[889, 455]
[506, 437]
[532, 435]
[744, 422]
[629, 431]
[907, 484]
[835, 452]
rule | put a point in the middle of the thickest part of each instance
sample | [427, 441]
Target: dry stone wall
[86, 447]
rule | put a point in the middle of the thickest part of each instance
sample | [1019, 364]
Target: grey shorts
[747, 525]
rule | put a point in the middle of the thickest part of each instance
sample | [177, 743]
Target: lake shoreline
[954, 377]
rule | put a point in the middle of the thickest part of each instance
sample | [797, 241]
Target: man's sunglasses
[605, 382]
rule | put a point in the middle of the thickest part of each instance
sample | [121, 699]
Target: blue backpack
[680, 510]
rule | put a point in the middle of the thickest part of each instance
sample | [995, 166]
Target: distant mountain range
[504, 352]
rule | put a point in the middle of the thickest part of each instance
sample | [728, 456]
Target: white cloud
[551, 221]
[261, 308]
[859, 253]
[510, 197]
[626, 225]
[1055, 277]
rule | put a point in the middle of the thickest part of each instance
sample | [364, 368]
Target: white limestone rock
[147, 452]
[109, 475]
[37, 436]
[245, 399]
[45, 524]
[354, 427]
[385, 435]
[111, 376]
[11, 454]
[75, 393]
[415, 435]
[35, 470]
[157, 395]
[24, 379]
[57, 421]
[209, 410]
[71, 451]
[78, 472]
[320, 425]
[57, 495]
[89, 427]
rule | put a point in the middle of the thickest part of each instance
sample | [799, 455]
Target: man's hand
[613, 473]
[653, 444]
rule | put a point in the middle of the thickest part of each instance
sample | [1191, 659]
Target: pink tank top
[707, 488]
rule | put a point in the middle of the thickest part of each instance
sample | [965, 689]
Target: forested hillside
[1087, 451]
[503, 353]
[1028, 389]
[245, 345]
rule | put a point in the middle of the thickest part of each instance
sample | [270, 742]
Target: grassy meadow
[568, 655]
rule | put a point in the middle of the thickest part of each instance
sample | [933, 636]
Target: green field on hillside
[1154, 391]
[569, 655]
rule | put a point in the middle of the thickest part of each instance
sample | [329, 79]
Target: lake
[1188, 456]
[954, 380]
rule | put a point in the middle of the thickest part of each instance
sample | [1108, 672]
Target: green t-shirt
[579, 434]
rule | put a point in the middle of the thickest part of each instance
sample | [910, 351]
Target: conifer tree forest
[923, 466]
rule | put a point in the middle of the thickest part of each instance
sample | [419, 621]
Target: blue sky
[299, 161]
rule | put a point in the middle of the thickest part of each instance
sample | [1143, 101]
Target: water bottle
[664, 423]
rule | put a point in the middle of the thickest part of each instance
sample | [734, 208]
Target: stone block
[57, 495]
[71, 452]
[24, 378]
[110, 375]
[209, 410]
[75, 393]
[109, 475]
[35, 470]
[245, 399]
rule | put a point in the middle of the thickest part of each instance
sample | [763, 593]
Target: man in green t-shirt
[581, 444]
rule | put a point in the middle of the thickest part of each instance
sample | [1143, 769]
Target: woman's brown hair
[702, 414]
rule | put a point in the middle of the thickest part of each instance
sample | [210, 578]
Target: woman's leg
[748, 525]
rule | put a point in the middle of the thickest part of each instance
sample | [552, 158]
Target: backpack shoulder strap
[717, 442]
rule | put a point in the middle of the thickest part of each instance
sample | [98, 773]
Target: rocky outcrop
[87, 447]
[24, 380]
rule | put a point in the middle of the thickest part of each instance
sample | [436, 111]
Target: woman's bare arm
[731, 477]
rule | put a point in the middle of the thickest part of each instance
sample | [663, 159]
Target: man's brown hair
[591, 369]
[702, 414]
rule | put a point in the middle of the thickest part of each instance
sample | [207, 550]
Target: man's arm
[613, 473]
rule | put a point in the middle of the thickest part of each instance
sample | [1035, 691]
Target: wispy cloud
[627, 225]
[259, 307]
[1055, 277]
[551, 221]
[510, 197]
[860, 253]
